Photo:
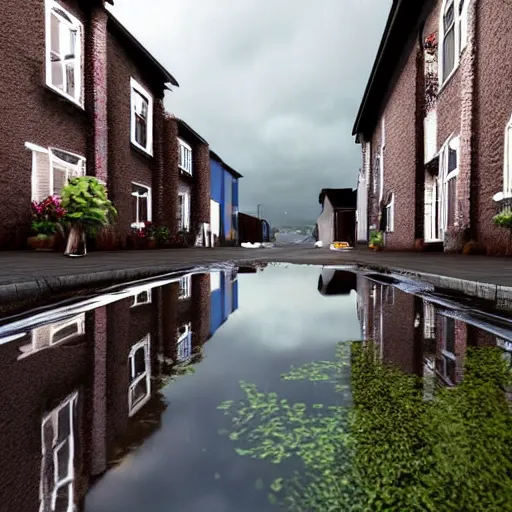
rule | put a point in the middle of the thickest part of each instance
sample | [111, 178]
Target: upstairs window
[185, 162]
[64, 62]
[142, 117]
[52, 169]
[453, 35]
[141, 205]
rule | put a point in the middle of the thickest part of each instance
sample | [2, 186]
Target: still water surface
[229, 391]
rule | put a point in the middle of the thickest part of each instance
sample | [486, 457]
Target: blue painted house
[223, 298]
[223, 201]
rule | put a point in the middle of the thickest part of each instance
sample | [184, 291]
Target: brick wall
[30, 111]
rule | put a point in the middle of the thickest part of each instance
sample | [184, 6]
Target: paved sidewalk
[32, 276]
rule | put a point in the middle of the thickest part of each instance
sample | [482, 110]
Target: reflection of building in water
[337, 282]
[81, 393]
[223, 297]
[415, 335]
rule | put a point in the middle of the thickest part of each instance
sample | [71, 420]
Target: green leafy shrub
[86, 203]
[376, 238]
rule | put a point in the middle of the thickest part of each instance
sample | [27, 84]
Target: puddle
[251, 391]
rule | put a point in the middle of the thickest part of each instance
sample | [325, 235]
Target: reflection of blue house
[223, 298]
[223, 201]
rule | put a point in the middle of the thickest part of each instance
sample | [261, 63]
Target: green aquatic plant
[388, 449]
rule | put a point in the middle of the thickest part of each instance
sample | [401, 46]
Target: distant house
[337, 222]
[223, 201]
[252, 230]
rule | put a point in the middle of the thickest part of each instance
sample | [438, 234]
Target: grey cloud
[273, 85]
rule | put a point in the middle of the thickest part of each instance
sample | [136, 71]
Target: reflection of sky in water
[282, 320]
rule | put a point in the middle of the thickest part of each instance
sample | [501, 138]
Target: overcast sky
[273, 85]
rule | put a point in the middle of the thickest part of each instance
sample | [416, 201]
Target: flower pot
[76, 245]
[151, 243]
[377, 248]
[42, 243]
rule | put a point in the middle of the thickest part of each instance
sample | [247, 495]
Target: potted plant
[162, 235]
[376, 240]
[88, 209]
[46, 223]
[504, 220]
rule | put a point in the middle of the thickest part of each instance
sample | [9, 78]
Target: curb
[500, 295]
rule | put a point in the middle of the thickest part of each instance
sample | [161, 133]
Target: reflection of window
[53, 334]
[140, 376]
[185, 161]
[142, 117]
[58, 452]
[390, 295]
[184, 344]
[142, 298]
[447, 362]
[429, 321]
[63, 52]
[141, 201]
[185, 287]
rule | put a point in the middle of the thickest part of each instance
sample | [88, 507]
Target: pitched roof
[339, 197]
[138, 50]
[232, 171]
[190, 131]
[401, 23]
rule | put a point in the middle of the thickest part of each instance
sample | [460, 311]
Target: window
[142, 117]
[139, 391]
[45, 336]
[141, 298]
[141, 205]
[52, 169]
[449, 161]
[185, 287]
[56, 492]
[507, 172]
[184, 343]
[64, 62]
[390, 215]
[185, 162]
[453, 35]
[184, 211]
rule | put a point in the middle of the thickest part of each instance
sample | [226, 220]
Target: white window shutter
[41, 174]
[59, 179]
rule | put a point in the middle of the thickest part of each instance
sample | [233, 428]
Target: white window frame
[451, 143]
[390, 215]
[78, 169]
[507, 162]
[138, 224]
[135, 87]
[77, 25]
[185, 290]
[53, 416]
[184, 222]
[137, 302]
[145, 343]
[184, 351]
[460, 34]
[185, 156]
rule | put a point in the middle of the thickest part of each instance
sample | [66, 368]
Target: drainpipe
[158, 163]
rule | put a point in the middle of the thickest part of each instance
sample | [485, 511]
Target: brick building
[83, 96]
[435, 127]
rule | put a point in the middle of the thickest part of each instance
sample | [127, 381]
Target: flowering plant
[430, 43]
[47, 216]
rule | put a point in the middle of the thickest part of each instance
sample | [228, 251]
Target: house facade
[93, 104]
[337, 222]
[435, 127]
[223, 202]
